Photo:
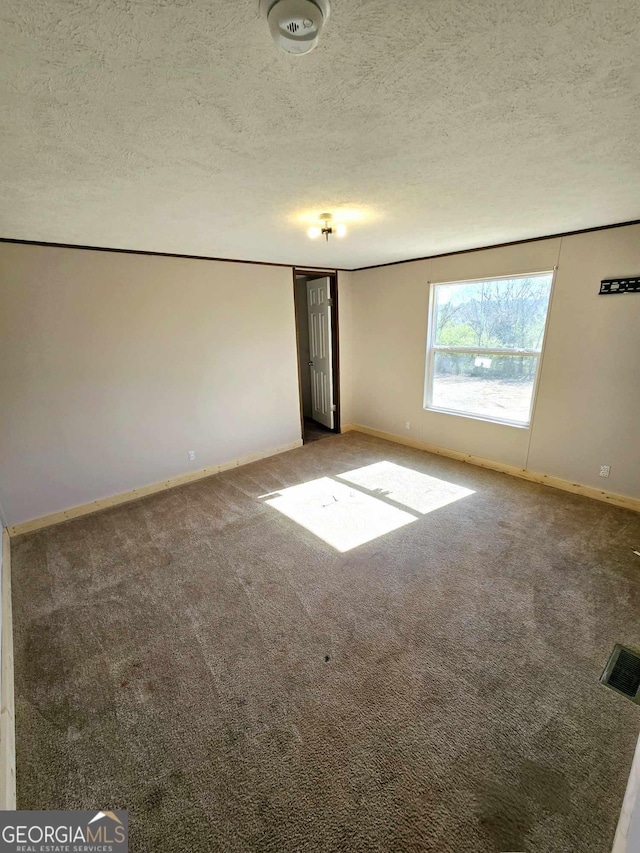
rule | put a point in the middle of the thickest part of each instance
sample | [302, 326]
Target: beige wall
[588, 403]
[588, 410]
[113, 366]
[345, 345]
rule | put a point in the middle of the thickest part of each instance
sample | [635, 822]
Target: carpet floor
[401, 655]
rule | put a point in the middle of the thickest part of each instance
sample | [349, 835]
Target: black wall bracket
[620, 285]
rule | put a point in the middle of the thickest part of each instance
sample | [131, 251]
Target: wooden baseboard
[7, 707]
[523, 473]
[627, 835]
[135, 494]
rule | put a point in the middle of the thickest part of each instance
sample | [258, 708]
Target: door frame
[335, 337]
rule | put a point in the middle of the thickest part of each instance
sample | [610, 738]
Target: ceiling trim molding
[154, 254]
[501, 245]
[302, 271]
[302, 268]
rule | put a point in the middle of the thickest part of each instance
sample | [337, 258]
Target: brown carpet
[238, 684]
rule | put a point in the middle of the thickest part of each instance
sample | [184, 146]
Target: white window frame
[432, 348]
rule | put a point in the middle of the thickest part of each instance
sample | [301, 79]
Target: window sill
[485, 418]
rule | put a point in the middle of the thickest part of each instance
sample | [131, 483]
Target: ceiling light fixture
[295, 25]
[327, 227]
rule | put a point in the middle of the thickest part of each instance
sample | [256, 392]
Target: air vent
[293, 26]
[622, 673]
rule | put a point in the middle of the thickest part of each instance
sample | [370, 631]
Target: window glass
[485, 343]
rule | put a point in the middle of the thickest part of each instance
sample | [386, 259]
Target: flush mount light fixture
[326, 227]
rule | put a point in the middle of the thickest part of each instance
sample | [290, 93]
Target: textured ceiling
[179, 127]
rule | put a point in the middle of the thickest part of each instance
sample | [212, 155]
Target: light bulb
[314, 232]
[341, 230]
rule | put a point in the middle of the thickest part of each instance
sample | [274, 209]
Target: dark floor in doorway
[313, 431]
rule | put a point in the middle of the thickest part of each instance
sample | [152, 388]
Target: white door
[320, 363]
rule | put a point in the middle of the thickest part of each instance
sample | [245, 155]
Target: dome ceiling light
[295, 25]
[326, 228]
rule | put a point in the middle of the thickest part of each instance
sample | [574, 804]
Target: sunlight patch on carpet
[415, 490]
[372, 502]
[341, 516]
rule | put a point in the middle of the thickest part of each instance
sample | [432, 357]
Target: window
[485, 339]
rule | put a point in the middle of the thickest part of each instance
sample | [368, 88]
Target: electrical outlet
[407, 425]
[192, 455]
[605, 470]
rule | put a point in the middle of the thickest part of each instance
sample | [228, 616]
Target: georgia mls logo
[118, 831]
[64, 832]
[111, 815]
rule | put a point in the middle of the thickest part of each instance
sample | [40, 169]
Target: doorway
[316, 307]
